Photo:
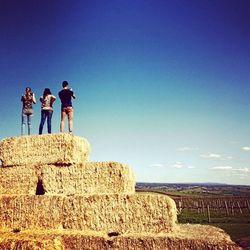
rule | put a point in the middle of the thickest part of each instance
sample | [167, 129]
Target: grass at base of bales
[237, 226]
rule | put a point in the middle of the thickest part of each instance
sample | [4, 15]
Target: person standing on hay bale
[28, 98]
[47, 100]
[66, 95]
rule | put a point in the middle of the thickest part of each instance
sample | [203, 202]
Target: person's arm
[41, 99]
[72, 94]
[33, 98]
[22, 98]
[52, 100]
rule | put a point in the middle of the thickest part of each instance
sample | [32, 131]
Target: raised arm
[72, 93]
[33, 98]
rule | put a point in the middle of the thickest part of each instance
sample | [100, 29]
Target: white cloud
[178, 164]
[212, 156]
[222, 168]
[157, 165]
[246, 148]
[187, 149]
[216, 156]
[229, 170]
[243, 170]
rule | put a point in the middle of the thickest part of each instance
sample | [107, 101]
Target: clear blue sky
[162, 85]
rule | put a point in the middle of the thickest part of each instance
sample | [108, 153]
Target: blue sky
[163, 86]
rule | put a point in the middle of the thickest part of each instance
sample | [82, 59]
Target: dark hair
[65, 84]
[46, 92]
[28, 88]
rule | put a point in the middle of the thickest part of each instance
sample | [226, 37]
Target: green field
[199, 205]
[237, 226]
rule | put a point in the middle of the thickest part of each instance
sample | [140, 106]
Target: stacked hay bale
[55, 198]
[53, 185]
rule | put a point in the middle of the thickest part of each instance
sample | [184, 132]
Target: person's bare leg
[70, 120]
[63, 115]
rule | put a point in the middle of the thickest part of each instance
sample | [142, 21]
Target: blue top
[65, 96]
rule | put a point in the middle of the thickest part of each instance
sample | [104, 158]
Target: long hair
[28, 89]
[28, 94]
[46, 92]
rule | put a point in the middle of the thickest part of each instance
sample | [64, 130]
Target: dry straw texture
[85, 205]
[18, 180]
[106, 213]
[85, 178]
[44, 149]
[187, 237]
[89, 178]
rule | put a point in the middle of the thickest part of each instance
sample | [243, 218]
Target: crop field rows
[226, 205]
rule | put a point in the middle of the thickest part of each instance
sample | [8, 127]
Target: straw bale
[88, 178]
[18, 180]
[210, 238]
[152, 213]
[44, 149]
[85, 178]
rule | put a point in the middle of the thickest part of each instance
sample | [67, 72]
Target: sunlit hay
[89, 178]
[209, 238]
[86, 178]
[18, 180]
[62, 149]
[51, 197]
[104, 213]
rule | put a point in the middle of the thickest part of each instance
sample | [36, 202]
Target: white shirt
[47, 102]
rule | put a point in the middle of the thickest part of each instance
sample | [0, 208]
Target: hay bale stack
[88, 178]
[189, 237]
[18, 180]
[136, 213]
[81, 203]
[60, 149]
[85, 178]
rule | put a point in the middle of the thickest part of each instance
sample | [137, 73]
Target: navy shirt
[65, 96]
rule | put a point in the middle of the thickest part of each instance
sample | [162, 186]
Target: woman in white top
[47, 99]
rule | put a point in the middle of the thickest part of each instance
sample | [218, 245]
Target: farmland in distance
[221, 205]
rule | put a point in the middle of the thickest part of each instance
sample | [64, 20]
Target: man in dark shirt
[66, 95]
